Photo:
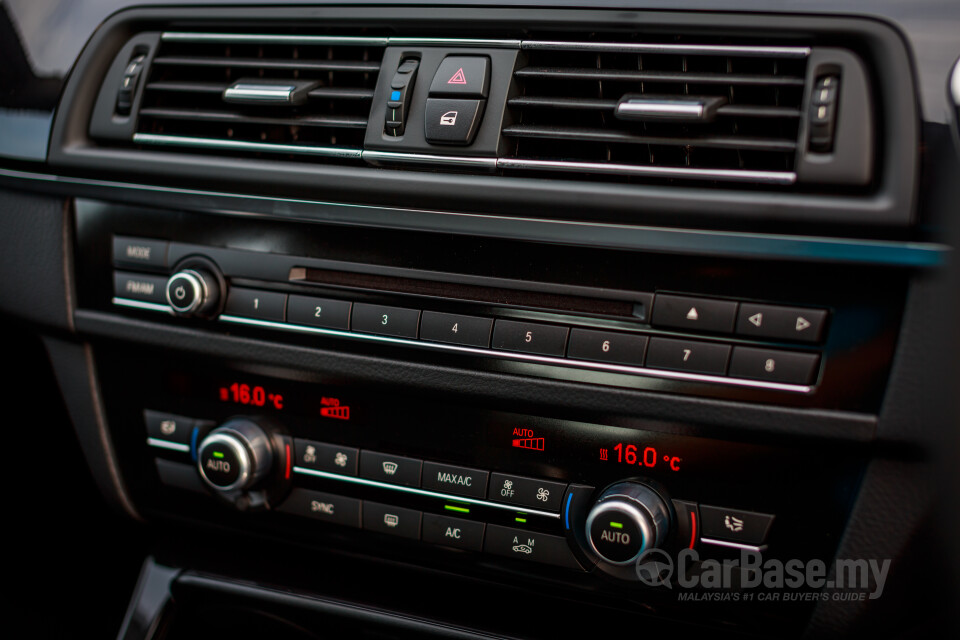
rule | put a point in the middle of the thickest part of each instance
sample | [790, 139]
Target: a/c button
[453, 532]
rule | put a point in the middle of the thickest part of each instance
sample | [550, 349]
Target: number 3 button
[389, 321]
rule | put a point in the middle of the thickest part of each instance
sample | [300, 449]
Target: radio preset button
[529, 545]
[528, 337]
[318, 312]
[321, 456]
[323, 506]
[771, 365]
[395, 521]
[527, 492]
[384, 467]
[688, 355]
[469, 331]
[606, 346]
[251, 303]
[453, 532]
[459, 480]
[383, 320]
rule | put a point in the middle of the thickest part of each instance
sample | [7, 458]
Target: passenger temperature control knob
[235, 456]
[628, 519]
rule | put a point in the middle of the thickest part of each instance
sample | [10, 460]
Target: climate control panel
[546, 492]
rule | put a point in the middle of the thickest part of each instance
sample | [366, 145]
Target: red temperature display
[250, 395]
[640, 456]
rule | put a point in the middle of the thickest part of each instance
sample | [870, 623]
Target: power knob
[193, 291]
[235, 456]
[627, 519]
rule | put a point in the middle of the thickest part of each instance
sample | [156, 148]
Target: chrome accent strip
[456, 42]
[423, 492]
[662, 109]
[138, 304]
[690, 49]
[741, 244]
[955, 84]
[178, 36]
[615, 368]
[266, 93]
[428, 159]
[733, 175]
[733, 545]
[212, 143]
[165, 444]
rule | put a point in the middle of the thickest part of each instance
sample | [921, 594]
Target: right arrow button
[781, 323]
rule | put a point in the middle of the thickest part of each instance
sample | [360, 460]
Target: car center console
[409, 319]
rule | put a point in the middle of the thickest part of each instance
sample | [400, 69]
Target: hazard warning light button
[462, 77]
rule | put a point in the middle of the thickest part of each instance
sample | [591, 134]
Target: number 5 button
[545, 339]
[688, 355]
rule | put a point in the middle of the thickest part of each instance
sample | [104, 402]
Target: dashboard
[496, 320]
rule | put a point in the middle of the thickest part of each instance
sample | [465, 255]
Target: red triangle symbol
[458, 77]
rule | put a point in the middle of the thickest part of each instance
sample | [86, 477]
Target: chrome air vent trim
[238, 145]
[732, 175]
[675, 49]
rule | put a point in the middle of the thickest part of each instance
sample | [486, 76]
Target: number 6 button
[605, 346]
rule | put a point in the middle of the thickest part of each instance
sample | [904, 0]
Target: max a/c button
[459, 480]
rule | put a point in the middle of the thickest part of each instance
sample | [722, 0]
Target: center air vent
[714, 112]
[260, 93]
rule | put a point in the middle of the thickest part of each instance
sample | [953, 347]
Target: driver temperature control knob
[193, 292]
[235, 456]
[628, 519]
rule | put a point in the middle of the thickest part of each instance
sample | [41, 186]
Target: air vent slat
[623, 137]
[222, 116]
[619, 75]
[262, 63]
[710, 112]
[185, 102]
[545, 102]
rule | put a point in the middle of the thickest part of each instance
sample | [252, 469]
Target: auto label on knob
[221, 464]
[616, 537]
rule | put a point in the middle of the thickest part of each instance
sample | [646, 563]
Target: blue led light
[395, 95]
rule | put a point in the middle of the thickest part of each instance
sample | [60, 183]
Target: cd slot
[502, 294]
